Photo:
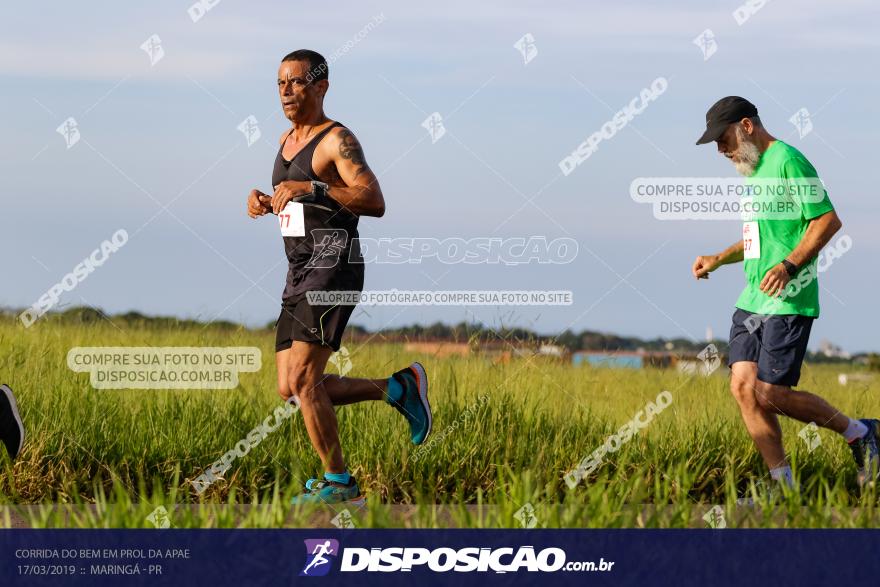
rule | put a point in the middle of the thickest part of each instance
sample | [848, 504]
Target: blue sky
[166, 135]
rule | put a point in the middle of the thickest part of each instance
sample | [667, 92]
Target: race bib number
[292, 220]
[751, 241]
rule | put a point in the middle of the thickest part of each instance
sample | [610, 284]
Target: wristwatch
[319, 189]
[790, 267]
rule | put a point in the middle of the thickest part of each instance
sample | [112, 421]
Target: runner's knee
[743, 391]
[303, 385]
[284, 390]
[770, 397]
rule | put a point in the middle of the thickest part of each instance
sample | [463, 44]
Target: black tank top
[327, 258]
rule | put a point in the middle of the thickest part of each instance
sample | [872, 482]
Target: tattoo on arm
[350, 148]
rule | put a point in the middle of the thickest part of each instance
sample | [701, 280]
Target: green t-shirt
[779, 237]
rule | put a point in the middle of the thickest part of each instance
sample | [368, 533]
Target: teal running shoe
[328, 492]
[413, 404]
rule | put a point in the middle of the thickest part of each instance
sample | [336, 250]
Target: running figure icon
[320, 550]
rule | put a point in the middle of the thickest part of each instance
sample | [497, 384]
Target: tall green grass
[506, 434]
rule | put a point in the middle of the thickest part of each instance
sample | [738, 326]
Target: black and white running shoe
[11, 428]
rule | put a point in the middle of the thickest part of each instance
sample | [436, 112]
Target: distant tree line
[473, 333]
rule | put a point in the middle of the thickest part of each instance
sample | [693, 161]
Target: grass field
[505, 435]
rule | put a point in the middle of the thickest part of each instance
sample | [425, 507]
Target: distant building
[684, 362]
[552, 350]
[827, 348]
[622, 359]
[498, 349]
[439, 348]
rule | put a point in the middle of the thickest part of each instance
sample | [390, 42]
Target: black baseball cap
[722, 114]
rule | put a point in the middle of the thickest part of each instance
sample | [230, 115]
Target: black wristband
[790, 267]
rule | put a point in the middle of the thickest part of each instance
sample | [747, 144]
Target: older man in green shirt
[774, 313]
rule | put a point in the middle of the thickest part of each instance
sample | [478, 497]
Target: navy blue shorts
[776, 343]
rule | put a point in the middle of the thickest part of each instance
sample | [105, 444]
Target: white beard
[747, 153]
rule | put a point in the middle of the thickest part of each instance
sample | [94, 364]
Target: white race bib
[751, 241]
[292, 220]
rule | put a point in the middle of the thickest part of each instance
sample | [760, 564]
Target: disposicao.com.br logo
[442, 560]
[318, 552]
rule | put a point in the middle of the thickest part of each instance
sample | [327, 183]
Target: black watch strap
[319, 189]
[790, 267]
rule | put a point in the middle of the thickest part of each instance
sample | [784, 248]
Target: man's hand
[775, 280]
[258, 204]
[704, 265]
[288, 190]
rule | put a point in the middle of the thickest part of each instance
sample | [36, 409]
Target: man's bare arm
[732, 254]
[818, 233]
[361, 194]
[705, 264]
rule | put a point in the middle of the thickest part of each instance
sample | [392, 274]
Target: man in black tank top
[322, 186]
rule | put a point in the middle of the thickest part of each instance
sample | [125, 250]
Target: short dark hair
[318, 68]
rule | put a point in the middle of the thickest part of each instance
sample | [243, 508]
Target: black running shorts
[300, 321]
